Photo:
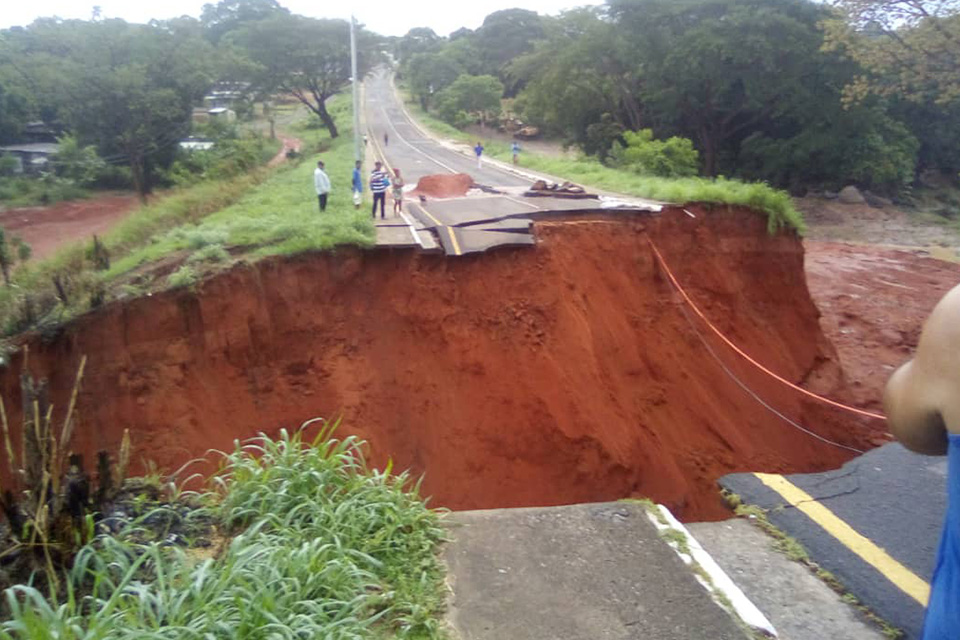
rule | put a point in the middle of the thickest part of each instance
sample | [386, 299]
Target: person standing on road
[479, 151]
[515, 147]
[386, 139]
[379, 181]
[397, 193]
[923, 411]
[357, 183]
[322, 184]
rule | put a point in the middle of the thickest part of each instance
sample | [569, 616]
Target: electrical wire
[745, 355]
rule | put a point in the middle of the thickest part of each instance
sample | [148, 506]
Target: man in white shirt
[322, 183]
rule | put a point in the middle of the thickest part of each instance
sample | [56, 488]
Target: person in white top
[322, 183]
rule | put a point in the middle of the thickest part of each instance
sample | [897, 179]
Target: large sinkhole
[558, 374]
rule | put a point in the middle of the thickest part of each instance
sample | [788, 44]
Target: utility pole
[356, 91]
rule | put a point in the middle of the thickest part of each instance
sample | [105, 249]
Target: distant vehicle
[527, 133]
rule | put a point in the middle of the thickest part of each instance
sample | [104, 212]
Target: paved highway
[875, 524]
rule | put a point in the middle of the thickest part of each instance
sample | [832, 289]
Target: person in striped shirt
[379, 181]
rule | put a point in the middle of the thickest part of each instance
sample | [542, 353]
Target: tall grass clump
[320, 546]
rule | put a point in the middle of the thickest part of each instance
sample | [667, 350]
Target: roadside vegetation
[293, 537]
[804, 96]
[591, 172]
[196, 230]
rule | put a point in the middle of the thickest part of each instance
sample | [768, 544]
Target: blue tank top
[943, 612]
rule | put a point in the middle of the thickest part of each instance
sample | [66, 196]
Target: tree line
[793, 92]
[128, 90]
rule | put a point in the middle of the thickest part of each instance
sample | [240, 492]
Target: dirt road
[46, 229]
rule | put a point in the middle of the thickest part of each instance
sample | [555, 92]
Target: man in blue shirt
[923, 411]
[357, 182]
[379, 181]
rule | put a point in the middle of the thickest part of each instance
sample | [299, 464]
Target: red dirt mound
[559, 374]
[446, 185]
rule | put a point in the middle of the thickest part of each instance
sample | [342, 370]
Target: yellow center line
[905, 579]
[453, 238]
[440, 225]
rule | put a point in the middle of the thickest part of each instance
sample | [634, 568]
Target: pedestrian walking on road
[386, 139]
[923, 412]
[357, 183]
[515, 147]
[397, 193]
[364, 139]
[379, 181]
[322, 184]
[479, 151]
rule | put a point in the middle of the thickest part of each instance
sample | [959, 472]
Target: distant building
[39, 131]
[31, 157]
[225, 94]
[222, 113]
[196, 144]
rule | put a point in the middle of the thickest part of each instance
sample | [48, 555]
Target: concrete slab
[472, 240]
[396, 237]
[582, 572]
[799, 605]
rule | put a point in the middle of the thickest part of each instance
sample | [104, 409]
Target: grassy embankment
[315, 544]
[589, 172]
[202, 228]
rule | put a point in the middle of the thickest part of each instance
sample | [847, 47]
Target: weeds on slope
[265, 212]
[322, 547]
[590, 172]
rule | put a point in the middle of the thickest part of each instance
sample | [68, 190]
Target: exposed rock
[851, 195]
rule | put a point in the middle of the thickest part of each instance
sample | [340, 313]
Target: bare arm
[922, 398]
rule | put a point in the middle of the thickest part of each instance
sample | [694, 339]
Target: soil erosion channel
[557, 374]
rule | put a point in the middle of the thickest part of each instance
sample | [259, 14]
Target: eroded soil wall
[559, 374]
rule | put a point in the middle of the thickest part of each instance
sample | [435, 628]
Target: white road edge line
[719, 580]
[651, 205]
[413, 230]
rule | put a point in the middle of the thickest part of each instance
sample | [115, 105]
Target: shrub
[210, 253]
[185, 276]
[671, 158]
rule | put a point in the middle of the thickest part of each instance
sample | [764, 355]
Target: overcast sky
[382, 16]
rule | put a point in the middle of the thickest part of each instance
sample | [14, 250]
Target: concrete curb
[717, 582]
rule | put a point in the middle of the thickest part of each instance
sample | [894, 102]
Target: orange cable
[740, 351]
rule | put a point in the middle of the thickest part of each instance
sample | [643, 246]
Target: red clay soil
[874, 301]
[46, 229]
[558, 374]
[444, 185]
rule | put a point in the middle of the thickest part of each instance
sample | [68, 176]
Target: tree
[129, 89]
[479, 95]
[909, 48]
[417, 40]
[305, 57]
[583, 75]
[231, 15]
[16, 105]
[504, 36]
[430, 73]
[742, 64]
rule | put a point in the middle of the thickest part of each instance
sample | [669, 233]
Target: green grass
[265, 212]
[589, 172]
[320, 546]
